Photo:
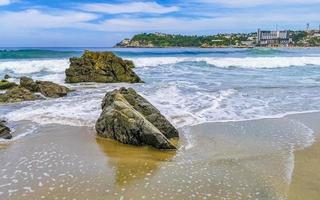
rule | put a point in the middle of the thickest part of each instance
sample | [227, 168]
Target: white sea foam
[26, 131]
[33, 66]
[73, 111]
[247, 62]
[182, 109]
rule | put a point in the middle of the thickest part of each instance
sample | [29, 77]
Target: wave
[59, 65]
[33, 66]
[247, 62]
[35, 53]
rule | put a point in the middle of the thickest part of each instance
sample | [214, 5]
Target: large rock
[48, 89]
[4, 131]
[140, 104]
[130, 119]
[102, 67]
[17, 94]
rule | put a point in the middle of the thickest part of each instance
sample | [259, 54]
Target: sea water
[189, 86]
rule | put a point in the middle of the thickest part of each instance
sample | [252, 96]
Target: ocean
[242, 114]
[190, 86]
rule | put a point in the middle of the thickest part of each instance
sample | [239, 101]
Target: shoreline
[222, 158]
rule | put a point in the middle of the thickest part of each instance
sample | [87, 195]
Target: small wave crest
[246, 62]
[34, 66]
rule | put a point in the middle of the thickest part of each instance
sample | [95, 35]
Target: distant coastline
[269, 39]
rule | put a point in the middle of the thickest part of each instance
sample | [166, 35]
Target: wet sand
[306, 175]
[259, 159]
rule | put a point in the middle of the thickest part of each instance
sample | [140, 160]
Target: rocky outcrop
[4, 131]
[129, 118]
[48, 89]
[102, 67]
[4, 84]
[17, 94]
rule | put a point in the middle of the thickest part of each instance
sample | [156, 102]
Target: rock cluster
[48, 89]
[129, 118]
[27, 89]
[4, 131]
[18, 94]
[102, 67]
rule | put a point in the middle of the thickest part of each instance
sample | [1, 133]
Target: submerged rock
[17, 94]
[102, 67]
[4, 84]
[4, 131]
[129, 118]
[48, 89]
[7, 76]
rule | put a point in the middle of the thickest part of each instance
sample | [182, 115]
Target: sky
[103, 23]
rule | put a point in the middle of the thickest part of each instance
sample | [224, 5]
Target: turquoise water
[190, 86]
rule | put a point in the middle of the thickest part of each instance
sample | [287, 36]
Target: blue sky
[103, 23]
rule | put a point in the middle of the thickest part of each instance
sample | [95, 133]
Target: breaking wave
[247, 62]
[33, 66]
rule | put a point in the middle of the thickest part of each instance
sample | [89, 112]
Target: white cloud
[36, 19]
[254, 3]
[5, 2]
[230, 22]
[134, 7]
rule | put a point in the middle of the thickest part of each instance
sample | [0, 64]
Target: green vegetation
[299, 39]
[4, 84]
[303, 38]
[167, 40]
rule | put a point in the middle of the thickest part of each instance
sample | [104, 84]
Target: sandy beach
[225, 160]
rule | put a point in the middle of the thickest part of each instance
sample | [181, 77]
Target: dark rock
[28, 83]
[130, 119]
[4, 131]
[48, 89]
[7, 76]
[4, 84]
[17, 94]
[102, 67]
[140, 104]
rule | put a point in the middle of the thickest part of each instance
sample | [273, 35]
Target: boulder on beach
[4, 84]
[17, 94]
[101, 67]
[129, 118]
[4, 131]
[48, 89]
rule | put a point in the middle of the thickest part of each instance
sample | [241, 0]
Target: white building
[273, 38]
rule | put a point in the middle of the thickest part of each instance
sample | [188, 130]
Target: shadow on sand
[132, 163]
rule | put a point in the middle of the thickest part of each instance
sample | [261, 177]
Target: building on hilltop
[273, 38]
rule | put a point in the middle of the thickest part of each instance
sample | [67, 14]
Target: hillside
[149, 40]
[238, 40]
